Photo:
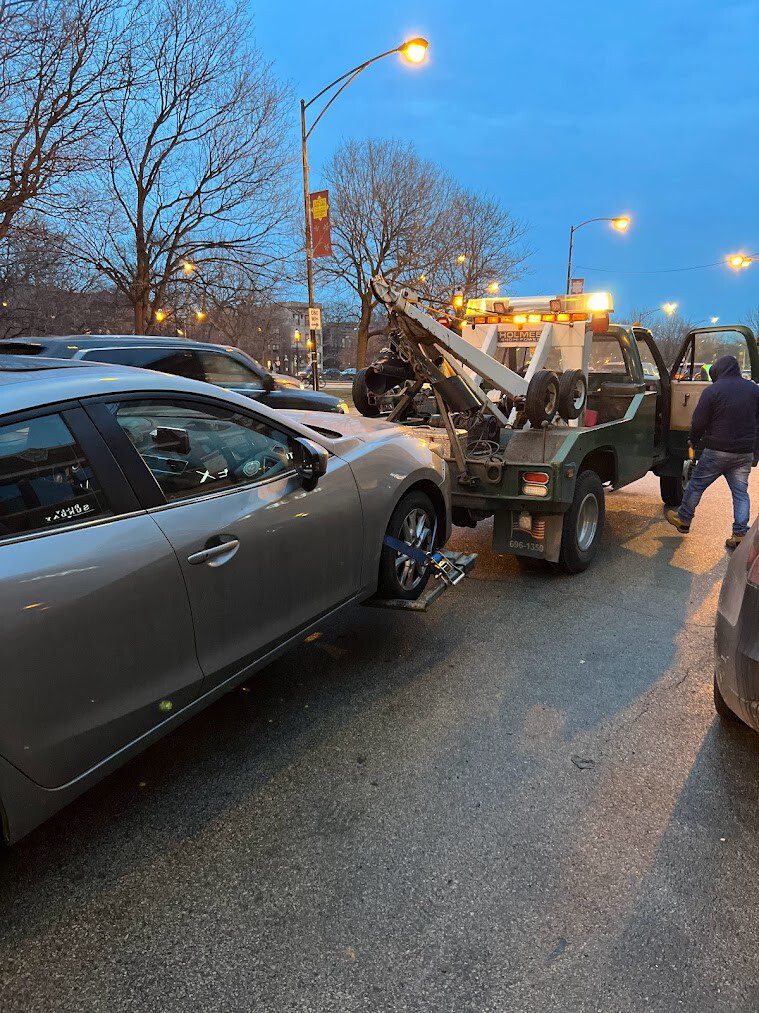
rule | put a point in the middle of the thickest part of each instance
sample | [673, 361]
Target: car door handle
[215, 554]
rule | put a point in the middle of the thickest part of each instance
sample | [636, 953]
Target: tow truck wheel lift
[511, 438]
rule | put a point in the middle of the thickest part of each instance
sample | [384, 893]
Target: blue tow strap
[418, 555]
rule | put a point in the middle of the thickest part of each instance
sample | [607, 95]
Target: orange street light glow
[461, 259]
[200, 315]
[669, 308]
[622, 223]
[414, 50]
[188, 267]
[739, 260]
[493, 287]
[160, 316]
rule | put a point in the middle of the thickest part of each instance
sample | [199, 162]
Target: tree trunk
[363, 331]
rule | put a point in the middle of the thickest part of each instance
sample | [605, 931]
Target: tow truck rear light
[535, 483]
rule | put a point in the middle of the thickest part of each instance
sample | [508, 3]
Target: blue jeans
[710, 465]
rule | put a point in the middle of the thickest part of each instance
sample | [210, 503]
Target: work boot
[674, 518]
[734, 541]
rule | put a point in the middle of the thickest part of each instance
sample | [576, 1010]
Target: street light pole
[621, 223]
[309, 242]
[415, 51]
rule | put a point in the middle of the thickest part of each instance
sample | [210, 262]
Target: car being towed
[223, 365]
[161, 540]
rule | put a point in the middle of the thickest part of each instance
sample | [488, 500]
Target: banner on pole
[321, 230]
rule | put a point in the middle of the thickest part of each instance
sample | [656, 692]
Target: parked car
[223, 365]
[348, 374]
[332, 374]
[736, 640]
[161, 540]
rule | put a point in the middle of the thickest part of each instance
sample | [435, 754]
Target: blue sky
[564, 111]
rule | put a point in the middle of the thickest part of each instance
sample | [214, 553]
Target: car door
[95, 625]
[261, 555]
[700, 349]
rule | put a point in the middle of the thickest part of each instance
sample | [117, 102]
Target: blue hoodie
[727, 414]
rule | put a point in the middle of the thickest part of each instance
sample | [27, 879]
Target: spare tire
[542, 398]
[360, 395]
[573, 393]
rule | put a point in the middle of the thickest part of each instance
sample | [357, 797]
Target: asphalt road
[521, 800]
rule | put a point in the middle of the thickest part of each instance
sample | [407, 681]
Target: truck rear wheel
[360, 394]
[583, 524]
[672, 488]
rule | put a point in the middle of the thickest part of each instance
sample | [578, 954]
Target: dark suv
[222, 365]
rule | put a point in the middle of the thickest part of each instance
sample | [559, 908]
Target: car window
[705, 347]
[606, 356]
[193, 448]
[226, 371]
[45, 480]
[177, 361]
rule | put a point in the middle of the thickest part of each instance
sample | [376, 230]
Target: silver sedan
[160, 540]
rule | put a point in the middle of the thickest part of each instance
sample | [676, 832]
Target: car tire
[542, 398]
[721, 707]
[583, 524]
[672, 488]
[414, 521]
[360, 394]
[573, 393]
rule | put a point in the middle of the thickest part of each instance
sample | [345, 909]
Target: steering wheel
[266, 463]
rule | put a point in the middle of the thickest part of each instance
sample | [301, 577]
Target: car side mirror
[268, 381]
[310, 461]
[175, 441]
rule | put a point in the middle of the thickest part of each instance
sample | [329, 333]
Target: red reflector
[535, 478]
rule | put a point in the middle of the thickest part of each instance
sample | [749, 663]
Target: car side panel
[98, 644]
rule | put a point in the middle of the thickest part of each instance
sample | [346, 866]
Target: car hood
[348, 426]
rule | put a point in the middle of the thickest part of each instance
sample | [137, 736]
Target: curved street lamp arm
[576, 227]
[351, 74]
[346, 81]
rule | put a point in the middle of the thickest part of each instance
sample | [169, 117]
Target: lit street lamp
[670, 308]
[738, 261]
[621, 223]
[296, 339]
[414, 51]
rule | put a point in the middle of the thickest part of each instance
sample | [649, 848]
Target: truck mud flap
[451, 568]
[523, 534]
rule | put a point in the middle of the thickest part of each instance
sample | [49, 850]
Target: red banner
[321, 230]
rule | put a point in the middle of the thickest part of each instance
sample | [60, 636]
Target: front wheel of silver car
[414, 522]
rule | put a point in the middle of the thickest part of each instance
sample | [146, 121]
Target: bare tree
[484, 246]
[195, 172]
[56, 63]
[388, 217]
[42, 291]
[751, 319]
[395, 214]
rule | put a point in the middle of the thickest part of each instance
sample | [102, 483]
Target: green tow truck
[543, 405]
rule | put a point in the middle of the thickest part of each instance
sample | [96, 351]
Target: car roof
[113, 340]
[34, 383]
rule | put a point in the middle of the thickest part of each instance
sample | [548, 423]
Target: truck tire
[414, 521]
[360, 395]
[573, 393]
[583, 524]
[672, 488]
[542, 398]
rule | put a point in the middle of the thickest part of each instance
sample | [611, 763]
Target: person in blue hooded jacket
[726, 419]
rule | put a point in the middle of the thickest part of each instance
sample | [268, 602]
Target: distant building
[340, 338]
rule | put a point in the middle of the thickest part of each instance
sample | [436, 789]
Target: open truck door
[689, 377]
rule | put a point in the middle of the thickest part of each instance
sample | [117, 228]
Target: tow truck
[539, 405]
